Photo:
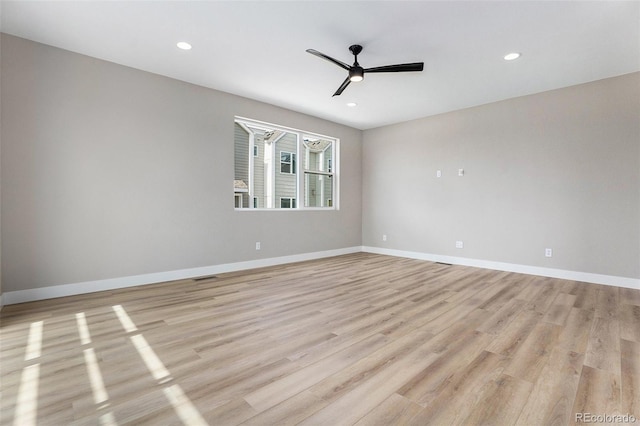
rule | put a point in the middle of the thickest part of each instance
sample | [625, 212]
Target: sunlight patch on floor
[95, 377]
[83, 328]
[27, 404]
[108, 420]
[184, 408]
[34, 345]
[26, 413]
[126, 322]
[151, 360]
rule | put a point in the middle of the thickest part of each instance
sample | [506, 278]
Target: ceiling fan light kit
[356, 72]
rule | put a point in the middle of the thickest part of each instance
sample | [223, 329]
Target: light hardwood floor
[361, 339]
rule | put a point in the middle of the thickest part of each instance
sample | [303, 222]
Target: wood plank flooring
[360, 339]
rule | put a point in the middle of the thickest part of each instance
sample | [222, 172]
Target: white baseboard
[510, 267]
[21, 296]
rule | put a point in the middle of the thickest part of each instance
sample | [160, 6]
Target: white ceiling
[257, 49]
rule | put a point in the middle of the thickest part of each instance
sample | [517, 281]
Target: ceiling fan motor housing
[356, 73]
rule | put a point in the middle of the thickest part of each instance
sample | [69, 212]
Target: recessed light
[184, 45]
[511, 56]
[351, 104]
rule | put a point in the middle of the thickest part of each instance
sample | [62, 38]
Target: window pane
[265, 172]
[318, 190]
[285, 182]
[317, 154]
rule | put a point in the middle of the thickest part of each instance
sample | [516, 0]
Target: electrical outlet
[258, 245]
[384, 237]
[548, 252]
[438, 173]
[459, 244]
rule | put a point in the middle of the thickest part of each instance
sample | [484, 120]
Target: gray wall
[110, 172]
[559, 169]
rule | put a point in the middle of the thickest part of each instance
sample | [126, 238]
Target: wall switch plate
[438, 173]
[258, 245]
[459, 244]
[548, 252]
[460, 172]
[384, 237]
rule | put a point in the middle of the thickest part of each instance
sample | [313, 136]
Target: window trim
[299, 165]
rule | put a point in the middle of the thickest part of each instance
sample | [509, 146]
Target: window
[287, 162]
[268, 174]
[318, 172]
[287, 203]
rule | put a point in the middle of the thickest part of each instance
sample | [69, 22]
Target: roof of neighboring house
[317, 144]
[240, 185]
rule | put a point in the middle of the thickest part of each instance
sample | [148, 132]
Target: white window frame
[321, 173]
[299, 170]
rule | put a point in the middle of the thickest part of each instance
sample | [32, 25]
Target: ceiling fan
[356, 72]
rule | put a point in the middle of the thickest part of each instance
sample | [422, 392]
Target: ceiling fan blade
[415, 66]
[329, 58]
[342, 87]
